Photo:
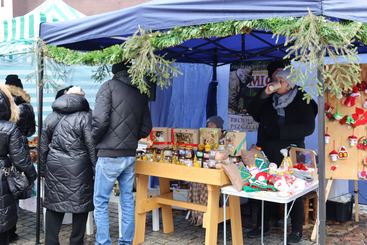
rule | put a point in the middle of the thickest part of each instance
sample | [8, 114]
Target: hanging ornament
[333, 154]
[333, 168]
[360, 117]
[329, 110]
[350, 120]
[363, 174]
[350, 101]
[337, 116]
[362, 143]
[327, 136]
[343, 120]
[343, 153]
[353, 140]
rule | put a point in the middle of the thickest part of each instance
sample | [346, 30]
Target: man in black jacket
[121, 117]
[284, 119]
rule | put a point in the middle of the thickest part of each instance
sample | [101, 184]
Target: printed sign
[246, 80]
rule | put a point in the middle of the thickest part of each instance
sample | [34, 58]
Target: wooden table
[213, 215]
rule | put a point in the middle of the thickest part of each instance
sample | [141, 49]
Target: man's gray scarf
[280, 102]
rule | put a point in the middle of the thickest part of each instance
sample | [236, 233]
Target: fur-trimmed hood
[8, 109]
[19, 94]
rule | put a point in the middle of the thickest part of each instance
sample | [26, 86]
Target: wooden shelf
[215, 177]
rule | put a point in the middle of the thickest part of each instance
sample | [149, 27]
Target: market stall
[220, 33]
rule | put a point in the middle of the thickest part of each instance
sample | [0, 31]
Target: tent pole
[321, 163]
[40, 74]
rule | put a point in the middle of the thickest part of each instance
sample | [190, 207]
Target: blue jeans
[107, 171]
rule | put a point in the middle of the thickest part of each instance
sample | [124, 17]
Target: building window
[2, 3]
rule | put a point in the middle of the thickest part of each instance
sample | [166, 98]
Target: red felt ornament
[333, 154]
[351, 98]
[343, 153]
[362, 143]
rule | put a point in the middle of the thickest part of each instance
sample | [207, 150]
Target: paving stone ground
[349, 233]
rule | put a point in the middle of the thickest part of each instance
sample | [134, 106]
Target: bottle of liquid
[200, 154]
[197, 163]
[206, 156]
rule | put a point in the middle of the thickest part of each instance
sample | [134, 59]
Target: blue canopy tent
[101, 31]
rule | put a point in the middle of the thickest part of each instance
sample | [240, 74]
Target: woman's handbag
[18, 183]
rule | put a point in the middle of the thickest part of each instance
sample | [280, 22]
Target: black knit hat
[13, 80]
[273, 66]
[217, 120]
[122, 66]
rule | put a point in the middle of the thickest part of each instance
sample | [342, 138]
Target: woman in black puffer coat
[12, 152]
[68, 159]
[26, 124]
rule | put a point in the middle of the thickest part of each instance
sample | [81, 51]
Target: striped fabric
[17, 56]
[23, 28]
[25, 67]
[18, 32]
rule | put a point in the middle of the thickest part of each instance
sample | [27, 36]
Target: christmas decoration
[337, 116]
[362, 174]
[350, 101]
[327, 138]
[353, 140]
[362, 143]
[333, 155]
[343, 153]
[329, 110]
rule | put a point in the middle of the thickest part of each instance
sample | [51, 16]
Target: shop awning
[100, 31]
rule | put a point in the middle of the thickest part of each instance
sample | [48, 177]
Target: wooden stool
[310, 203]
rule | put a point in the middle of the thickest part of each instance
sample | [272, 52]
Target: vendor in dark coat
[284, 119]
[12, 152]
[68, 160]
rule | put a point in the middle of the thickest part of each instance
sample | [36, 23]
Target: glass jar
[168, 154]
[149, 154]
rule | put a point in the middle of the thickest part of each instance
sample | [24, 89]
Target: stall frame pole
[40, 76]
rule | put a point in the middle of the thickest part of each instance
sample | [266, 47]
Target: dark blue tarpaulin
[100, 31]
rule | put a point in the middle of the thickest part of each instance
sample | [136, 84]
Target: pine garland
[309, 39]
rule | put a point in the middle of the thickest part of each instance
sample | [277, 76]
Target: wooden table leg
[140, 218]
[211, 233]
[236, 221]
[167, 218]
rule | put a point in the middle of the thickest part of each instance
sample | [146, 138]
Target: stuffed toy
[351, 98]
